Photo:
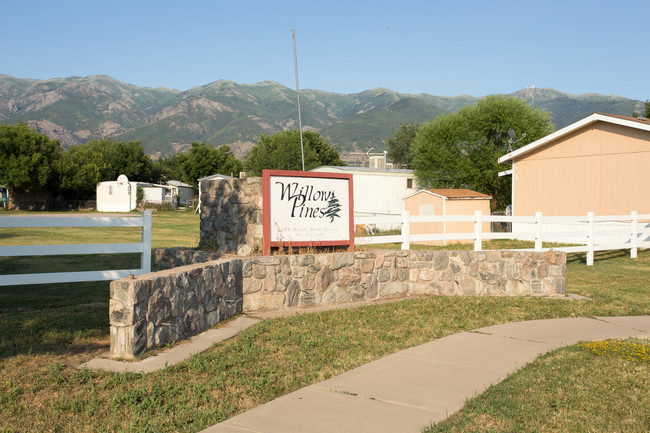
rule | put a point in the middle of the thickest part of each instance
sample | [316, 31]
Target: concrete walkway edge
[411, 389]
[176, 354]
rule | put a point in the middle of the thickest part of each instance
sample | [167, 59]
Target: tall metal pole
[295, 63]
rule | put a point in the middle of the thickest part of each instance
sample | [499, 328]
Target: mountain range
[77, 109]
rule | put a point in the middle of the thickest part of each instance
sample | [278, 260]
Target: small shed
[117, 196]
[446, 202]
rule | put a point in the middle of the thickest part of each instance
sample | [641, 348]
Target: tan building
[599, 164]
[446, 202]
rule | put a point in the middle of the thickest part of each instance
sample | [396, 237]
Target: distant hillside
[368, 129]
[77, 109]
[567, 108]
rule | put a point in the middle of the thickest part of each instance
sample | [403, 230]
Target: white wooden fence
[591, 233]
[143, 247]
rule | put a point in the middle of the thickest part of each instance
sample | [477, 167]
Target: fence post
[538, 231]
[590, 239]
[478, 238]
[146, 242]
[635, 234]
[406, 229]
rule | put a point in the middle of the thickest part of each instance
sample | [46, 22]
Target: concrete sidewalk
[408, 390]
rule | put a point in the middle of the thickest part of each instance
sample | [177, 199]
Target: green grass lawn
[568, 390]
[47, 331]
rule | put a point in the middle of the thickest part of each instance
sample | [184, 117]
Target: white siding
[153, 194]
[377, 191]
[113, 197]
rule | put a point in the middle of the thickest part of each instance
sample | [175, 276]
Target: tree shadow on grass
[598, 255]
[54, 318]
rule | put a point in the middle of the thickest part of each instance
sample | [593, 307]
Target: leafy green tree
[399, 145]
[27, 159]
[171, 168]
[83, 166]
[80, 169]
[204, 160]
[281, 151]
[124, 158]
[460, 150]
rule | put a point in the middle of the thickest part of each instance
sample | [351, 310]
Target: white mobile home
[377, 191]
[183, 191]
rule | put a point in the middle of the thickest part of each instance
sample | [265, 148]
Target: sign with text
[303, 208]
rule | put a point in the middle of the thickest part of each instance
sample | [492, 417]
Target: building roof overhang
[631, 122]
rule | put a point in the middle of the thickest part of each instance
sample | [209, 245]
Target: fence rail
[143, 247]
[591, 232]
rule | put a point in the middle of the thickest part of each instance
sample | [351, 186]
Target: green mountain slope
[371, 128]
[77, 109]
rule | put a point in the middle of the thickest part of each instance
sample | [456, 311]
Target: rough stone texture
[345, 277]
[167, 258]
[155, 309]
[231, 215]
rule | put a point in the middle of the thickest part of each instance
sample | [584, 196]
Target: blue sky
[436, 47]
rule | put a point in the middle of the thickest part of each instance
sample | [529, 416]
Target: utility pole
[295, 63]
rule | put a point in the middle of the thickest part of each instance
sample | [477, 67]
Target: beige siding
[423, 200]
[467, 207]
[414, 204]
[603, 168]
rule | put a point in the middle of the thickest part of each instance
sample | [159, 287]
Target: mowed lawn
[47, 331]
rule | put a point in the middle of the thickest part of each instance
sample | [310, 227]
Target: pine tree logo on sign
[333, 209]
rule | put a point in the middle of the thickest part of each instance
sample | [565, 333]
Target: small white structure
[183, 191]
[117, 196]
[153, 193]
[377, 191]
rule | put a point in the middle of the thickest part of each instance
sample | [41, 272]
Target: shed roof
[453, 193]
[631, 122]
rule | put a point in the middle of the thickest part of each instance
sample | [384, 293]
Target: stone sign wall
[157, 308]
[278, 282]
[231, 215]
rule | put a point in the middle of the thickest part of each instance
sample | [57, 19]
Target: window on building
[409, 183]
[110, 189]
[427, 209]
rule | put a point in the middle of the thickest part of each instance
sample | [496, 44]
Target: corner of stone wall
[155, 309]
[231, 215]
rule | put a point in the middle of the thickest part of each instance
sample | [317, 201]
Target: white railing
[591, 233]
[143, 247]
